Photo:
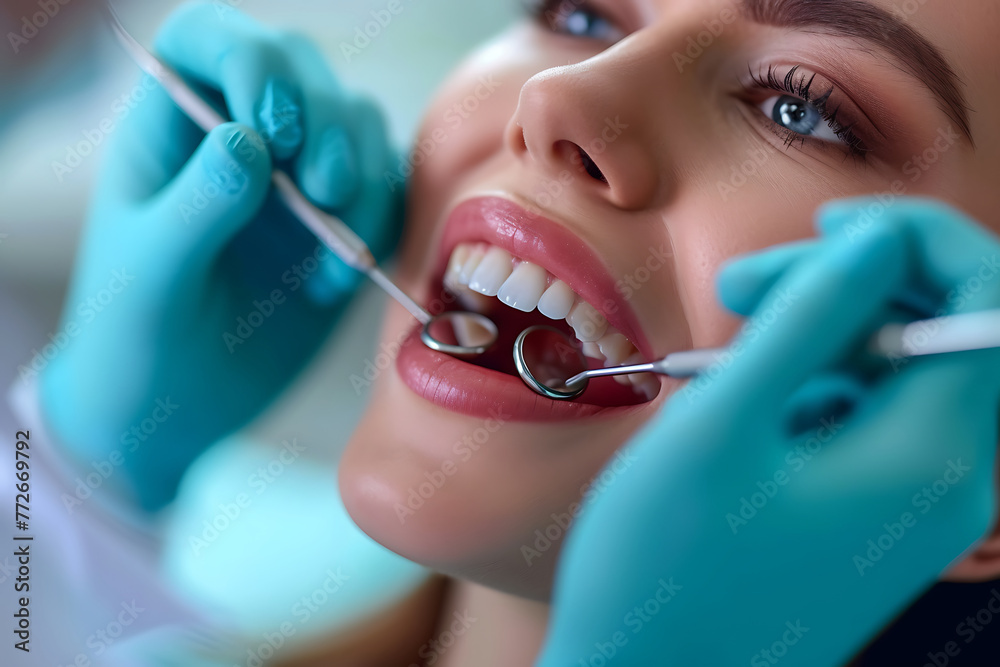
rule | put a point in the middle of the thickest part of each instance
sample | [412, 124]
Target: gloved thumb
[220, 189]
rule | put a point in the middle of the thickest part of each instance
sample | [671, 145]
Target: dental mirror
[545, 357]
[551, 363]
[460, 334]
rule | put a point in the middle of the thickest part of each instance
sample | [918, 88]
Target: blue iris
[796, 114]
[587, 24]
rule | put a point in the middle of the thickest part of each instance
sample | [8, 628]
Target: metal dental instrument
[545, 357]
[460, 334]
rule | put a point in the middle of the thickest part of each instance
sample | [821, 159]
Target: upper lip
[501, 222]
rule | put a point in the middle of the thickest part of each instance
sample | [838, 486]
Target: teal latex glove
[734, 542]
[197, 296]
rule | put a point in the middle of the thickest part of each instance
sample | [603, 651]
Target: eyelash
[801, 87]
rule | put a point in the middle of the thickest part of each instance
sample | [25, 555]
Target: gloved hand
[197, 296]
[747, 534]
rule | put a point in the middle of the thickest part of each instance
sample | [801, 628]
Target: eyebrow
[861, 20]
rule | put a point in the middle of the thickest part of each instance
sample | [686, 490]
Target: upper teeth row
[481, 269]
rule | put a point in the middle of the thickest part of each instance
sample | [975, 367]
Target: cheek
[706, 233]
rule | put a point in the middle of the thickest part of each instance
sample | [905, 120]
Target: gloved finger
[219, 190]
[327, 168]
[931, 426]
[957, 262]
[151, 143]
[817, 312]
[230, 52]
[825, 398]
[376, 213]
[376, 210]
[744, 280]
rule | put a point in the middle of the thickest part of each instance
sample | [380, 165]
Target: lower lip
[480, 392]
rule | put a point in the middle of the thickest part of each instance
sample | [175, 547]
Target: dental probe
[478, 331]
[953, 333]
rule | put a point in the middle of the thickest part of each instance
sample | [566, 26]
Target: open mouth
[522, 270]
[517, 294]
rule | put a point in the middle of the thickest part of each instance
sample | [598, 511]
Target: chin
[459, 466]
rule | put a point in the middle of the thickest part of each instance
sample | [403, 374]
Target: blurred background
[61, 73]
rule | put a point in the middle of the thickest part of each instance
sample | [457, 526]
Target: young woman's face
[619, 152]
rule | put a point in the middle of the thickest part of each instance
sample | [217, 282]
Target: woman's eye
[800, 117]
[571, 18]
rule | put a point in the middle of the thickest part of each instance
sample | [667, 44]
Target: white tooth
[473, 301]
[524, 287]
[470, 334]
[634, 379]
[645, 384]
[649, 387]
[622, 380]
[593, 351]
[588, 324]
[615, 347]
[471, 264]
[491, 273]
[557, 301]
[633, 359]
[458, 258]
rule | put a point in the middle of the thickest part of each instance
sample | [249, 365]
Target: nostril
[591, 167]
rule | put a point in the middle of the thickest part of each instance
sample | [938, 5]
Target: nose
[585, 122]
